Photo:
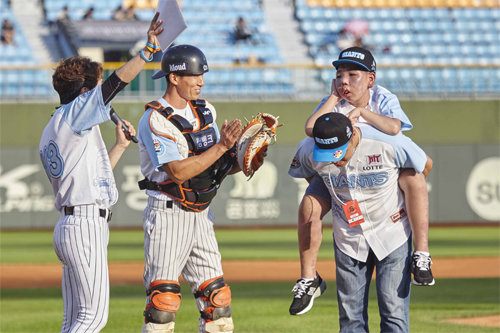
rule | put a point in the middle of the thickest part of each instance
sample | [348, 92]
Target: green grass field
[258, 307]
[238, 244]
[263, 307]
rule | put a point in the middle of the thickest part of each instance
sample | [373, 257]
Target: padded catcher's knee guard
[217, 316]
[164, 301]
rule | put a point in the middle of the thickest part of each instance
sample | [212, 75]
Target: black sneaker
[305, 293]
[421, 269]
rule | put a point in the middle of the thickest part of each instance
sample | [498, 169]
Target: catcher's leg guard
[217, 316]
[158, 328]
[164, 301]
[221, 325]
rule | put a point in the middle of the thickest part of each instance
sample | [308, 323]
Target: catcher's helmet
[182, 59]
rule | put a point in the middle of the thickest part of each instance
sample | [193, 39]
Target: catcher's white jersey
[71, 137]
[156, 150]
[382, 101]
[370, 177]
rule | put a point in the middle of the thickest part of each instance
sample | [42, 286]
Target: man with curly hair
[79, 168]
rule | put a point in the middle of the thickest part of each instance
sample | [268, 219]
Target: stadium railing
[279, 81]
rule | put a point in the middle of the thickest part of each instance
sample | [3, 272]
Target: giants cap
[331, 132]
[358, 56]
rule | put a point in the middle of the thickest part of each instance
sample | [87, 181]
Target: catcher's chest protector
[196, 193]
[198, 139]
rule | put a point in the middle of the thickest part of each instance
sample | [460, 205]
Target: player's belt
[70, 210]
[164, 204]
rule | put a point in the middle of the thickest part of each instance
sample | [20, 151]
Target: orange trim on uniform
[193, 109]
[180, 199]
[153, 131]
[153, 106]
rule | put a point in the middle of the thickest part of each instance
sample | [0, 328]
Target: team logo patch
[337, 154]
[374, 159]
[158, 147]
[398, 216]
[295, 163]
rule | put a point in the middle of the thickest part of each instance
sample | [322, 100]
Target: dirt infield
[49, 275]
[487, 321]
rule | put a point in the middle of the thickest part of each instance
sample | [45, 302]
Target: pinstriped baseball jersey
[176, 241]
[382, 101]
[370, 177]
[74, 155]
[76, 161]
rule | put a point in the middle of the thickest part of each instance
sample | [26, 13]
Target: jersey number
[52, 160]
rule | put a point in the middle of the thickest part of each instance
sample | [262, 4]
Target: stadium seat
[425, 33]
[213, 32]
[13, 78]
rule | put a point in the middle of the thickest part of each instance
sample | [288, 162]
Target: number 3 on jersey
[52, 160]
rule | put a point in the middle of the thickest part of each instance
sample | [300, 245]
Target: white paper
[173, 22]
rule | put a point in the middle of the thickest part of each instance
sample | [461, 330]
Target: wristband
[152, 48]
[144, 57]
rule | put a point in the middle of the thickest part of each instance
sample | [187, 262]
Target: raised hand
[354, 115]
[229, 133]
[154, 30]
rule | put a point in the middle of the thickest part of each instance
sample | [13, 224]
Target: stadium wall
[461, 137]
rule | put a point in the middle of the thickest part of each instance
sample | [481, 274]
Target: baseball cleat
[421, 269]
[305, 293]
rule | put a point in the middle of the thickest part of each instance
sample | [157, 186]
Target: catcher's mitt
[252, 144]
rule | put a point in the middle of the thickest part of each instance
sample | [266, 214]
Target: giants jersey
[382, 101]
[156, 150]
[74, 155]
[371, 178]
[301, 166]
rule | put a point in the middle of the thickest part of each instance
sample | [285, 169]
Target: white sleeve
[389, 106]
[301, 166]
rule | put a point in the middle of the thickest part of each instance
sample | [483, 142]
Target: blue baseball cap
[332, 133]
